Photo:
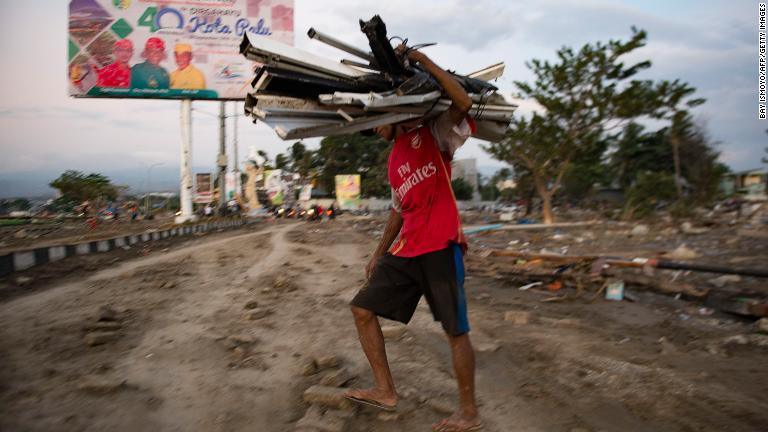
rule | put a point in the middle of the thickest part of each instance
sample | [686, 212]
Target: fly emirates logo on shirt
[412, 178]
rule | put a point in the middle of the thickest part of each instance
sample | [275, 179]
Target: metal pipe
[332, 41]
[673, 265]
[360, 65]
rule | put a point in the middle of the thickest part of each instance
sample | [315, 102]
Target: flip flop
[372, 403]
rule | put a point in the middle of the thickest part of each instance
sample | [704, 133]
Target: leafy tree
[650, 190]
[297, 153]
[695, 164]
[265, 164]
[461, 189]
[376, 183]
[585, 97]
[488, 189]
[354, 154]
[586, 170]
[75, 186]
[14, 204]
[281, 161]
[698, 162]
[638, 151]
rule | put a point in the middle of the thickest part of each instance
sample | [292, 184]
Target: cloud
[710, 44]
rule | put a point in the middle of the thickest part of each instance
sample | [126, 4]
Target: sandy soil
[215, 336]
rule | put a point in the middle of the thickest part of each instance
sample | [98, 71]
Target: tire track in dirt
[198, 373]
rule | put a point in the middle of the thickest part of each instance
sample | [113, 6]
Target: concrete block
[331, 397]
[23, 260]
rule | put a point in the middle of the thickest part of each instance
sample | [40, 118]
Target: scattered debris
[682, 252]
[530, 285]
[762, 325]
[724, 280]
[615, 290]
[640, 230]
[688, 228]
[302, 95]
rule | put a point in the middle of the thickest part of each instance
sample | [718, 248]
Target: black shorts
[397, 284]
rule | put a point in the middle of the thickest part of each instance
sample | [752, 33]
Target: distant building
[466, 169]
[750, 183]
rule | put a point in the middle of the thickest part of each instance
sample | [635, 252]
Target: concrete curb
[27, 258]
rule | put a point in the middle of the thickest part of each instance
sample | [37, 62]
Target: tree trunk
[546, 208]
[546, 200]
[676, 159]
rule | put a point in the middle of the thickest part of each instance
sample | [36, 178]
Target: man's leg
[466, 418]
[372, 341]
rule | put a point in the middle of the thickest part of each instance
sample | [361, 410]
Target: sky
[712, 45]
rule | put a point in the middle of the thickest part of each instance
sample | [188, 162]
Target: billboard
[203, 188]
[306, 193]
[171, 49]
[231, 184]
[273, 183]
[348, 191]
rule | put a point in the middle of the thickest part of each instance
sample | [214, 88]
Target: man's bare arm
[391, 230]
[461, 102]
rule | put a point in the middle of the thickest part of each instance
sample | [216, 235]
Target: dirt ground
[215, 335]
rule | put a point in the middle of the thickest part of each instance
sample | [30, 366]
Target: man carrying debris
[427, 259]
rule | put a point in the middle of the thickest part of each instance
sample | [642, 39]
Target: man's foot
[375, 397]
[458, 423]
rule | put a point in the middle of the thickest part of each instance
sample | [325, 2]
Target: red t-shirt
[420, 176]
[115, 75]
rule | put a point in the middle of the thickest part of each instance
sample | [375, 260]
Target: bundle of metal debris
[301, 95]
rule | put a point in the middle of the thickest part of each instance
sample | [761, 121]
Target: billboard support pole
[236, 167]
[185, 194]
[222, 162]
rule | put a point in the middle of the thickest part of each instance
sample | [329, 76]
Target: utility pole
[222, 159]
[236, 169]
[148, 195]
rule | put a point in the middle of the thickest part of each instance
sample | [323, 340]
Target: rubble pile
[302, 95]
[712, 278]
